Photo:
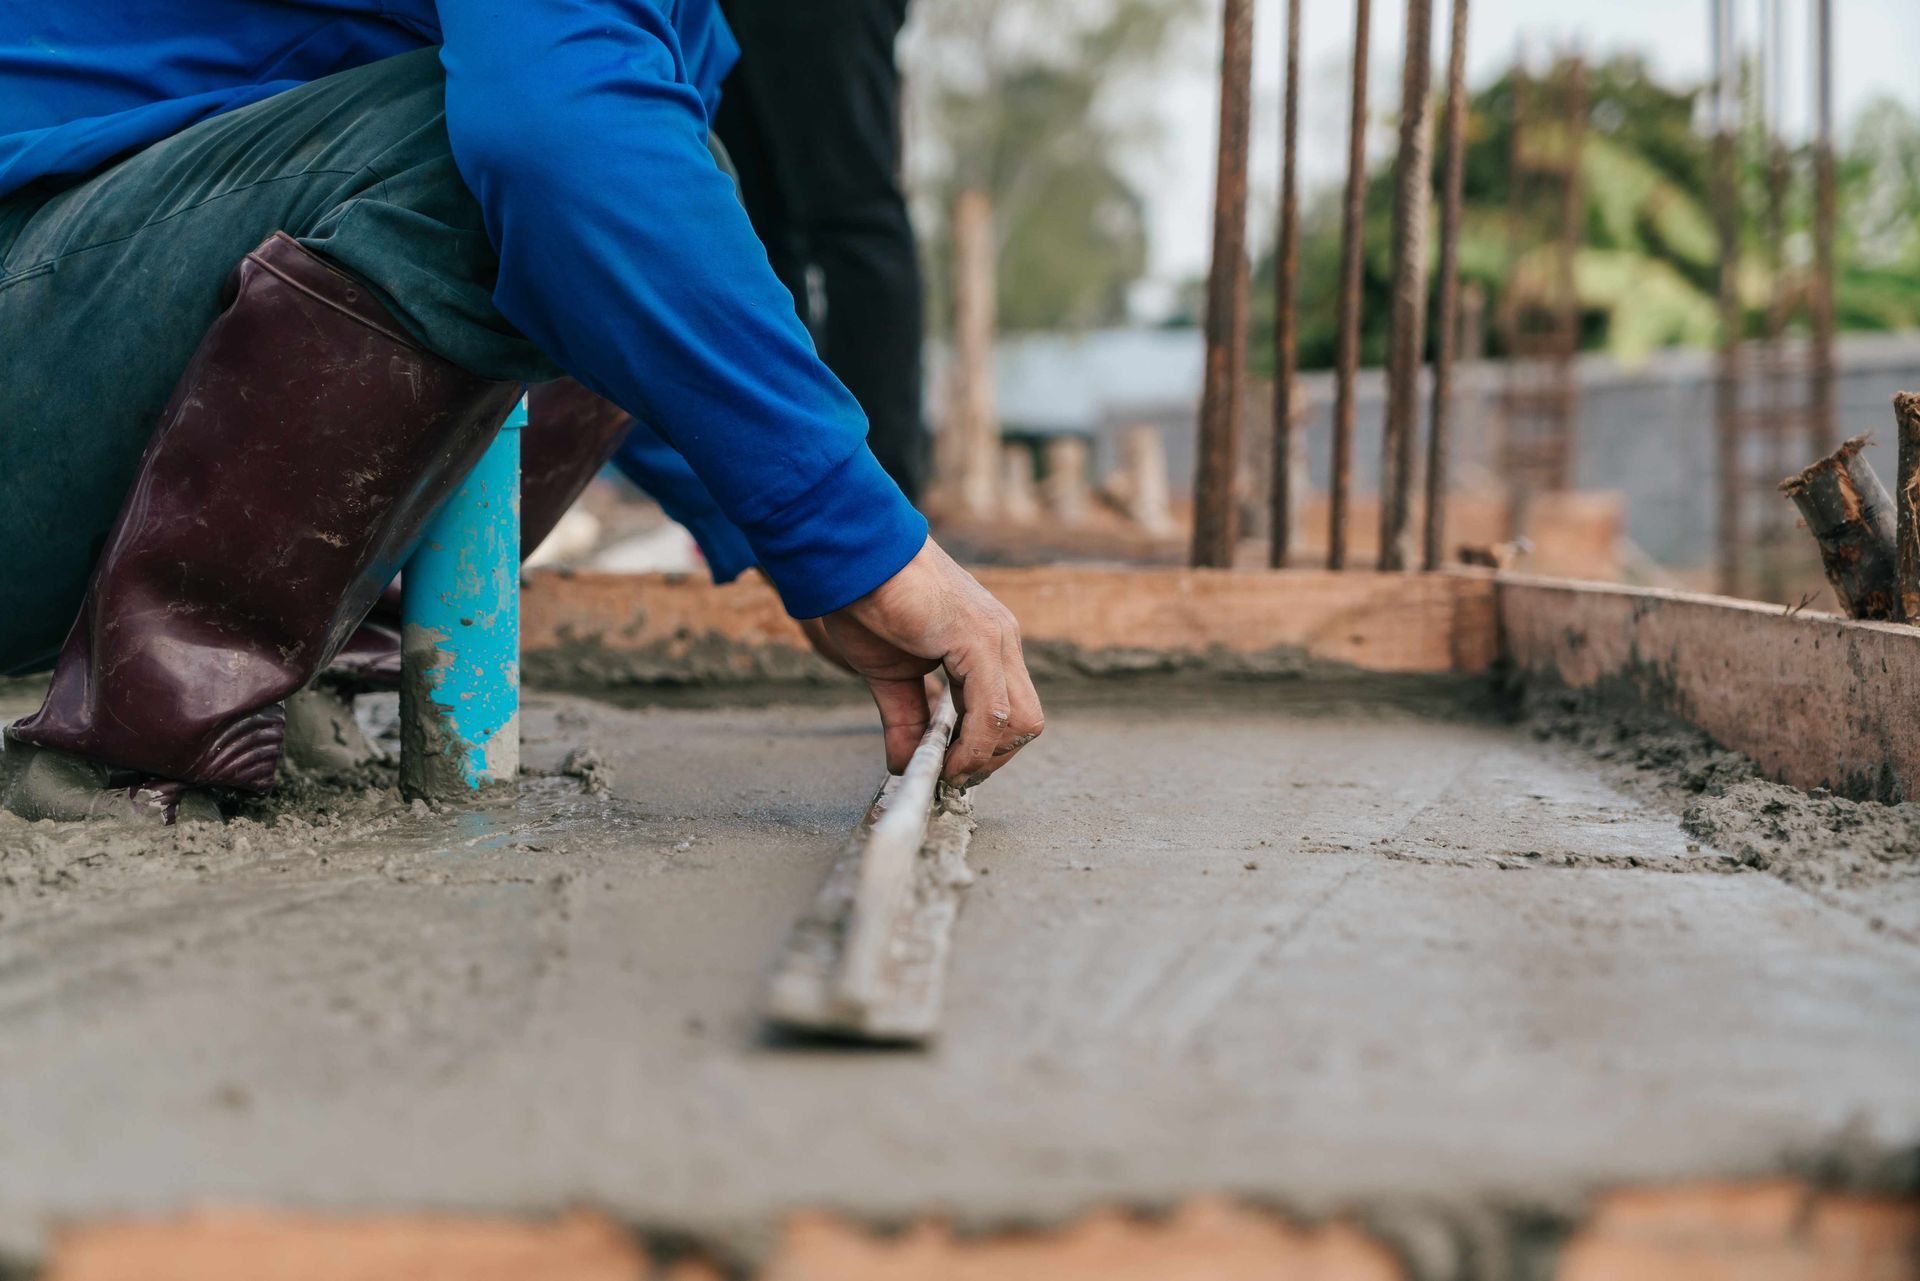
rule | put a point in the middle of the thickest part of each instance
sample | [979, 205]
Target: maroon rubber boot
[370, 660]
[306, 445]
[569, 436]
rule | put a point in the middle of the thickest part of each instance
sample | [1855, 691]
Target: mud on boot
[41, 783]
[323, 736]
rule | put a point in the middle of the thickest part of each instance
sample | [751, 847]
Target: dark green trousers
[107, 286]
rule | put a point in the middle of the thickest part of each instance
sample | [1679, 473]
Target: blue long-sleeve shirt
[581, 127]
[657, 467]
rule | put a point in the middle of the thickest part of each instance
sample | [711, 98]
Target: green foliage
[1634, 205]
[1647, 301]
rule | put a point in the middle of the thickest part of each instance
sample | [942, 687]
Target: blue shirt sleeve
[580, 128]
[658, 468]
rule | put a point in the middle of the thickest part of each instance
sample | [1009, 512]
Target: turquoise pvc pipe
[460, 655]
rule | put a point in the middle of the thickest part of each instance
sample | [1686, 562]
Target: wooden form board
[1783, 1230]
[1815, 700]
[1415, 623]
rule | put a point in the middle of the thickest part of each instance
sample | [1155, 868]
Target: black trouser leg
[812, 120]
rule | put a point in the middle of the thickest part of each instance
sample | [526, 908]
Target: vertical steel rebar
[1779, 418]
[1540, 303]
[1412, 194]
[1347, 351]
[1573, 211]
[1452, 188]
[1214, 532]
[1286, 336]
[1727, 371]
[1514, 467]
[1825, 429]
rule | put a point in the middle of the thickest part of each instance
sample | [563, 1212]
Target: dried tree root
[1850, 515]
[1906, 412]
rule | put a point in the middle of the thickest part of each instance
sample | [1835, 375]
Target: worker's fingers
[933, 613]
[980, 696]
[1025, 720]
[904, 717]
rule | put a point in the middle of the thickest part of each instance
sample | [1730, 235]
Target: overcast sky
[1876, 42]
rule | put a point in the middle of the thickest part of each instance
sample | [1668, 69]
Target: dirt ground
[1294, 941]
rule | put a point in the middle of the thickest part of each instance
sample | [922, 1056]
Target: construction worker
[272, 272]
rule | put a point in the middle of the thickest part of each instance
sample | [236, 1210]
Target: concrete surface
[1258, 940]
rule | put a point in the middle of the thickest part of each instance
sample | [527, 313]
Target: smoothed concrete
[1255, 940]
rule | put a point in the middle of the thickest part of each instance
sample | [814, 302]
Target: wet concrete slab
[1324, 952]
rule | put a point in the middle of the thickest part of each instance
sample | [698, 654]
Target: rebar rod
[1726, 390]
[1440, 417]
[1573, 209]
[1347, 350]
[1412, 194]
[1825, 427]
[1779, 447]
[1286, 336]
[1214, 514]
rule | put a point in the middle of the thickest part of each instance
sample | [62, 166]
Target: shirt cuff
[841, 539]
[724, 547]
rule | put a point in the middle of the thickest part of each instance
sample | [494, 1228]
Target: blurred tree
[1030, 104]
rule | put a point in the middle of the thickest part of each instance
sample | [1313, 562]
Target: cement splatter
[436, 758]
[323, 735]
[1862, 855]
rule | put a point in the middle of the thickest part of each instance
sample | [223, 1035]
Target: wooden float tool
[868, 960]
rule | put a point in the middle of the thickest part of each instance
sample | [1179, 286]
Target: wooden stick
[1849, 514]
[1906, 411]
[1214, 509]
[886, 866]
[868, 958]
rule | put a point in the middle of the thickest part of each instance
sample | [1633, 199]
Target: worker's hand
[933, 614]
[815, 630]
